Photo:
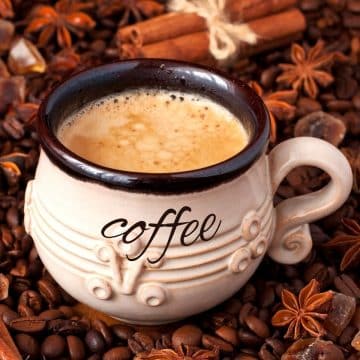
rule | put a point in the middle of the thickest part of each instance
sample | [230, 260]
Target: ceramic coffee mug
[155, 248]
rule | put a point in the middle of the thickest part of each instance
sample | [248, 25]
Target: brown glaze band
[92, 84]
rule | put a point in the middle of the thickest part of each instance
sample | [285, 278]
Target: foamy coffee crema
[153, 131]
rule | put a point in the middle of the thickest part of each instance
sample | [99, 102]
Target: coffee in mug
[154, 131]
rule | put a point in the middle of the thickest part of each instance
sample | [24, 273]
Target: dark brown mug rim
[157, 183]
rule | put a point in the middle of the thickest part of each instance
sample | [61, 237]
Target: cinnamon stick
[247, 51]
[8, 349]
[247, 10]
[160, 28]
[195, 47]
[191, 47]
[174, 25]
[276, 27]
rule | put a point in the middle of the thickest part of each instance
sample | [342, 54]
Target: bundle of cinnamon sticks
[185, 36]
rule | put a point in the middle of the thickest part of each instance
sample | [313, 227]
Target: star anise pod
[181, 353]
[308, 68]
[279, 104]
[65, 17]
[299, 313]
[138, 9]
[349, 241]
[6, 9]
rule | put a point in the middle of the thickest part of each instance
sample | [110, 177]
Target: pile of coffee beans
[46, 323]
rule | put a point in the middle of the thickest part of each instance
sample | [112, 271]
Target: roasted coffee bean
[353, 5]
[347, 335]
[336, 4]
[352, 120]
[67, 327]
[51, 314]
[20, 285]
[12, 217]
[118, 353]
[310, 5]
[13, 127]
[123, 332]
[247, 309]
[94, 341]
[146, 342]
[222, 318]
[339, 105]
[6, 237]
[53, 346]
[248, 338]
[76, 348]
[104, 330]
[187, 335]
[265, 354]
[307, 106]
[49, 292]
[28, 324]
[245, 357]
[25, 311]
[228, 334]
[4, 286]
[346, 87]
[257, 326]
[32, 299]
[8, 316]
[272, 348]
[212, 342]
[269, 75]
[67, 311]
[135, 347]
[28, 346]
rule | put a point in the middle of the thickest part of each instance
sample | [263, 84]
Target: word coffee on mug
[154, 131]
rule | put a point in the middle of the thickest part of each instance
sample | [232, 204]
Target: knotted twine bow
[224, 36]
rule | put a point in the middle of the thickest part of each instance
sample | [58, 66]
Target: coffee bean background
[46, 323]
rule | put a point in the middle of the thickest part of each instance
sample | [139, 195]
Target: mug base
[147, 323]
[92, 314]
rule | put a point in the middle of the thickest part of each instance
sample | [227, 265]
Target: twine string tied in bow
[224, 37]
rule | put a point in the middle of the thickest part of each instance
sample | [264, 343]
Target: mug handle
[292, 240]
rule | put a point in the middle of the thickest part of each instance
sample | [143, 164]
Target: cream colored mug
[155, 248]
